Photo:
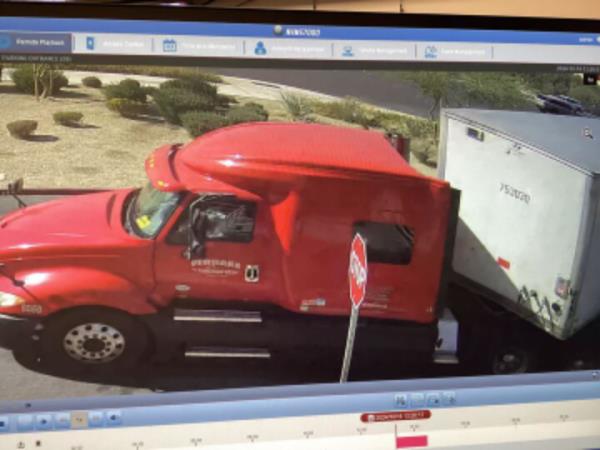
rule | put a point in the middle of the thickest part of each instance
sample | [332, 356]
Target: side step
[214, 315]
[447, 345]
[227, 352]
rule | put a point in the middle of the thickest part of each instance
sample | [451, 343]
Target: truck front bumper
[15, 331]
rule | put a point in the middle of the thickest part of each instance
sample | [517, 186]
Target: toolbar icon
[169, 45]
[260, 48]
[431, 52]
[347, 51]
[90, 43]
[4, 41]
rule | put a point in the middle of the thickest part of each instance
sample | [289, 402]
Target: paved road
[25, 380]
[378, 88]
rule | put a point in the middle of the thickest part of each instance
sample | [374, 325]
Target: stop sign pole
[357, 277]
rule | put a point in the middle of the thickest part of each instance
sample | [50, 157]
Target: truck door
[231, 265]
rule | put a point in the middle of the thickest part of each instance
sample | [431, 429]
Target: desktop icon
[260, 48]
[90, 43]
[278, 30]
[431, 52]
[169, 45]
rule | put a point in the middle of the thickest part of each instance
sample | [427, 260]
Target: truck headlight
[7, 300]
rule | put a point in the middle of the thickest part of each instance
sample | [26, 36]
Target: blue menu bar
[295, 31]
[35, 43]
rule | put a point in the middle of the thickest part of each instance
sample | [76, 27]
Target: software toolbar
[543, 425]
[302, 49]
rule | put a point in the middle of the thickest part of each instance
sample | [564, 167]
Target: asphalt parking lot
[25, 380]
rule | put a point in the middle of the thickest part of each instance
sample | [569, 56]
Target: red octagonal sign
[357, 270]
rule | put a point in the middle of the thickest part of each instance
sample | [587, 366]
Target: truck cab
[247, 226]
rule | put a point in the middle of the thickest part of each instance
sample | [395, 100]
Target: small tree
[40, 80]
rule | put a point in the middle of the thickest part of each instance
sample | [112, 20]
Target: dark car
[560, 104]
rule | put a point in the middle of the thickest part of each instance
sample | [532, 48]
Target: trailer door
[520, 217]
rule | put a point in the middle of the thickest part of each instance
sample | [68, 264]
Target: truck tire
[513, 359]
[93, 340]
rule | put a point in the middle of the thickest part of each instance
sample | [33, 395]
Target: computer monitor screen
[204, 199]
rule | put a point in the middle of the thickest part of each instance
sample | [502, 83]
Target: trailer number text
[512, 192]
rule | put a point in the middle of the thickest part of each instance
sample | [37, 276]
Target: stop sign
[357, 270]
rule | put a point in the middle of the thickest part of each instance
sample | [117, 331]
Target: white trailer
[529, 220]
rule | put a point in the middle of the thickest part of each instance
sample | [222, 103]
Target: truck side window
[387, 243]
[230, 221]
[227, 220]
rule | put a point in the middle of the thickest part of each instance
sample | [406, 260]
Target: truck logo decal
[513, 192]
[216, 267]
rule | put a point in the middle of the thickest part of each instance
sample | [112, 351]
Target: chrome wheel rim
[94, 343]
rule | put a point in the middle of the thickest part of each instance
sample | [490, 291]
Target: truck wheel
[509, 360]
[95, 340]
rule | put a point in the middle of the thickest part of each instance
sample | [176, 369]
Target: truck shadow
[207, 374]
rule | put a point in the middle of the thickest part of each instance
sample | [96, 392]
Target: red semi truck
[238, 248]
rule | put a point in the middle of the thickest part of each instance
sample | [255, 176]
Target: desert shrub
[296, 106]
[126, 89]
[349, 110]
[176, 97]
[425, 150]
[67, 118]
[199, 122]
[22, 129]
[250, 112]
[93, 82]
[23, 78]
[127, 108]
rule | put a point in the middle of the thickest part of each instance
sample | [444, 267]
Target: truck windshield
[149, 210]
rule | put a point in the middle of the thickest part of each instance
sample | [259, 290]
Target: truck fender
[60, 288]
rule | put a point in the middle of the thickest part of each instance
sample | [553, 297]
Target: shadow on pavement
[217, 374]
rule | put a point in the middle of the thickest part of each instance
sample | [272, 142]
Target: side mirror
[15, 187]
[196, 247]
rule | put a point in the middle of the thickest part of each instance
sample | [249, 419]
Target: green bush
[126, 89]
[23, 79]
[177, 97]
[22, 129]
[589, 96]
[250, 112]
[199, 122]
[297, 106]
[68, 118]
[349, 110]
[127, 108]
[93, 82]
